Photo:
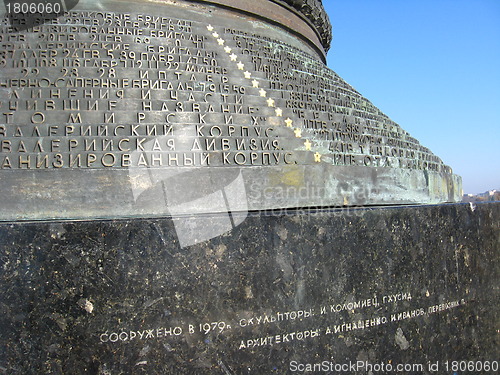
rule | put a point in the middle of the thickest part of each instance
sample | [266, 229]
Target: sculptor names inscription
[116, 90]
[250, 330]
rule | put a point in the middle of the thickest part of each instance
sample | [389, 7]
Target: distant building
[487, 196]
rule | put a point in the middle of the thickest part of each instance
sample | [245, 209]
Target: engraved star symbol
[247, 74]
[298, 133]
[270, 102]
[279, 112]
[255, 83]
[289, 122]
[215, 35]
[262, 92]
[317, 157]
[210, 28]
[233, 57]
[220, 41]
[240, 65]
[308, 144]
[227, 49]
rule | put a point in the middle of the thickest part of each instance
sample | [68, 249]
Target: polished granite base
[280, 292]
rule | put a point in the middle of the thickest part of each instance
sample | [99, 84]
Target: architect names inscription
[250, 330]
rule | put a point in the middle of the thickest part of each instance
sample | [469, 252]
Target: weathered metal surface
[122, 108]
[305, 18]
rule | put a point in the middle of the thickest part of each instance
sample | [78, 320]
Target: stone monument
[117, 109]
[187, 189]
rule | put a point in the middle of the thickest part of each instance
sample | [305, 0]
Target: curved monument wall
[120, 108]
[195, 113]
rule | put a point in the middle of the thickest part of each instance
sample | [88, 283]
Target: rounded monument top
[306, 18]
[315, 14]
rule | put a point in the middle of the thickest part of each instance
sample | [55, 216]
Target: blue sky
[434, 68]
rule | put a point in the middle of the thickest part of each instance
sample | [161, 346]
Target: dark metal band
[315, 14]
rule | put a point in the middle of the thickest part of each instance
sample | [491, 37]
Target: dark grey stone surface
[400, 285]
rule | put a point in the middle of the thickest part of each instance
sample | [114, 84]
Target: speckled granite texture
[382, 286]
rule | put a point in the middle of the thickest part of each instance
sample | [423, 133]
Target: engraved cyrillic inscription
[104, 89]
